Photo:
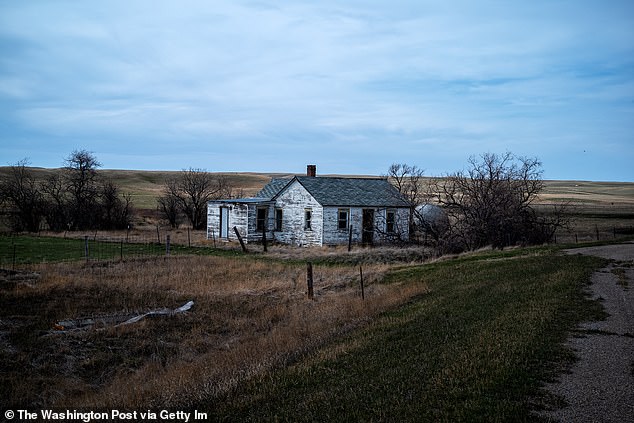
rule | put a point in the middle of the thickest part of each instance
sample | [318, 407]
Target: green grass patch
[475, 348]
[26, 249]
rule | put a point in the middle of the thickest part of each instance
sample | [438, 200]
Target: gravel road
[600, 385]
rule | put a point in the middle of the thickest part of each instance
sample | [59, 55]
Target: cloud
[434, 74]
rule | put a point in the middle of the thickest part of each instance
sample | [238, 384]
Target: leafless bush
[21, 195]
[492, 203]
[188, 193]
[75, 197]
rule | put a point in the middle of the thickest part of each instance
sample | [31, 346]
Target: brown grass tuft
[250, 316]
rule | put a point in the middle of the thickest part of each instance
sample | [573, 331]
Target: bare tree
[80, 178]
[408, 181]
[169, 203]
[56, 212]
[189, 193]
[115, 208]
[75, 198]
[22, 195]
[492, 202]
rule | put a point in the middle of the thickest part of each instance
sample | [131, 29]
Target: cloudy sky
[351, 86]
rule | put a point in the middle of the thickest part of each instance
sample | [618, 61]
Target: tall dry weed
[250, 316]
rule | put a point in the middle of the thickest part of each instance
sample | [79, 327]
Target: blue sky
[351, 86]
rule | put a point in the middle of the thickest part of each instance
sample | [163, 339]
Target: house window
[343, 219]
[390, 222]
[308, 217]
[278, 219]
[260, 220]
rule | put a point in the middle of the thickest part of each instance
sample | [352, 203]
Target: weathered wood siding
[213, 221]
[401, 225]
[253, 234]
[294, 201]
[238, 217]
[332, 234]
[335, 236]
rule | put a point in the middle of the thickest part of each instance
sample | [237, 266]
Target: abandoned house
[314, 211]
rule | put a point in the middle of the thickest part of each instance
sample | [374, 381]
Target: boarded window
[278, 219]
[390, 222]
[344, 219]
[308, 217]
[261, 219]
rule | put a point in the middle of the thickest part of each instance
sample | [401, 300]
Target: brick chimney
[311, 170]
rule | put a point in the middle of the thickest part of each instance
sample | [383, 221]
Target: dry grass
[250, 316]
[475, 348]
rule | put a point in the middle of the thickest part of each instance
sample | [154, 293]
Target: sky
[351, 86]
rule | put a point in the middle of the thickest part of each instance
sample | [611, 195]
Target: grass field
[25, 250]
[454, 340]
[600, 210]
[475, 347]
[469, 338]
[596, 206]
[145, 186]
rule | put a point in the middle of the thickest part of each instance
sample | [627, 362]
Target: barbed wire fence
[18, 250]
[593, 234]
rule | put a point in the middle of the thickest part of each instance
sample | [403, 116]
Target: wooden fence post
[189, 239]
[350, 239]
[244, 247]
[158, 235]
[86, 247]
[362, 288]
[167, 245]
[264, 239]
[309, 279]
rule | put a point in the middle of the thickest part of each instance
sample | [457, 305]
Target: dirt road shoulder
[600, 385]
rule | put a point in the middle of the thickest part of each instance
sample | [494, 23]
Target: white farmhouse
[310, 210]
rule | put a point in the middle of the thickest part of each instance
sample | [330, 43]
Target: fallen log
[117, 319]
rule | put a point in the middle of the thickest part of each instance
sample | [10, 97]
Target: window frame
[345, 211]
[390, 224]
[308, 219]
[260, 222]
[279, 219]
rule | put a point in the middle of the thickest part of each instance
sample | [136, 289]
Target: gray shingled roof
[271, 189]
[345, 192]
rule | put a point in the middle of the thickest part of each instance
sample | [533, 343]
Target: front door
[367, 237]
[224, 222]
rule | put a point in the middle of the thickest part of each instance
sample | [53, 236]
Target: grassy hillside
[473, 348]
[146, 185]
[466, 339]
[597, 207]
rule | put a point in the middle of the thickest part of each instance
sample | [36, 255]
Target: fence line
[598, 233]
[20, 250]
[16, 251]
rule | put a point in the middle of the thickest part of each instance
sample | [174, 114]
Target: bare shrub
[188, 194]
[21, 194]
[491, 203]
[73, 198]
